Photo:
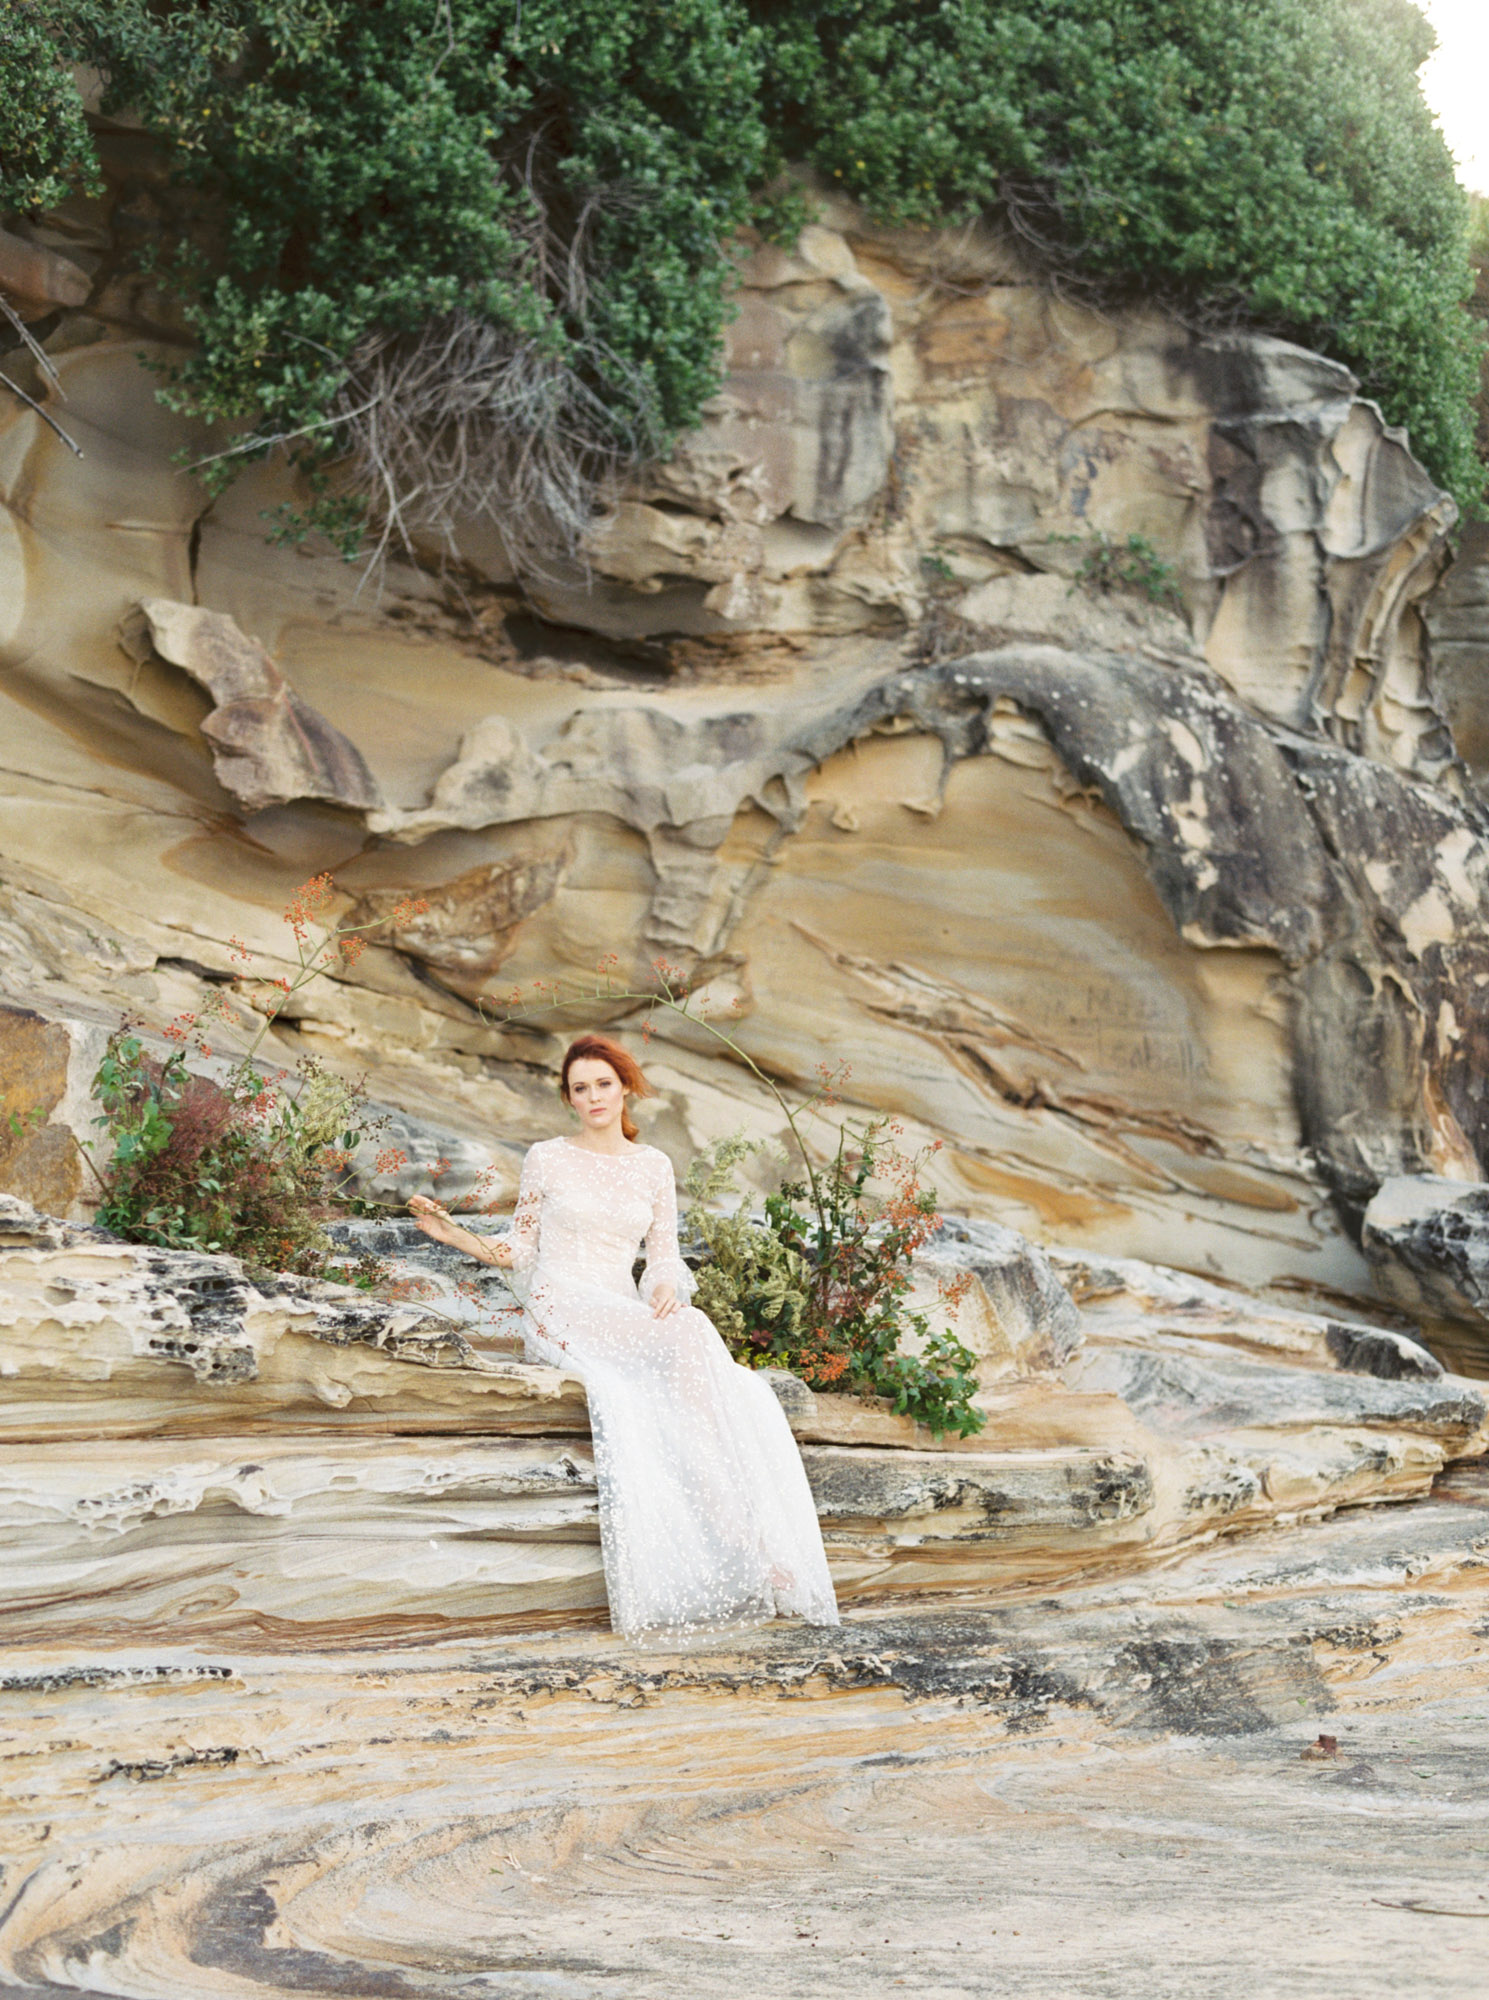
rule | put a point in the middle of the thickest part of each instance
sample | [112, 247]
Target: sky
[1456, 83]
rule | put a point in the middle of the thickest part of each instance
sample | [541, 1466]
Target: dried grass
[466, 421]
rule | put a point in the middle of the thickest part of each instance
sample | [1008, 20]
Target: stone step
[182, 1449]
[112, 1340]
[345, 1541]
[330, 1542]
[103, 1339]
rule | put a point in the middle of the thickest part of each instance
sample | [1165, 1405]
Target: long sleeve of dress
[664, 1264]
[522, 1237]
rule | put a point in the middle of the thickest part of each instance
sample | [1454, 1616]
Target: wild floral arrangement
[819, 1282]
[257, 1163]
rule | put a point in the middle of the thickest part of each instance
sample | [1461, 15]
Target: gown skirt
[706, 1518]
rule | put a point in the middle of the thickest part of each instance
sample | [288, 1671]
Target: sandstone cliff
[1146, 874]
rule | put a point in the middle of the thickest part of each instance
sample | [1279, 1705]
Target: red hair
[600, 1048]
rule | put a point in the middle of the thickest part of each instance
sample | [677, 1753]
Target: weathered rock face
[268, 747]
[1162, 907]
[1164, 911]
[45, 1106]
[184, 1450]
[1456, 615]
[109, 1339]
[1429, 1242]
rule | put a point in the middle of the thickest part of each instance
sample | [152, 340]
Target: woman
[705, 1513]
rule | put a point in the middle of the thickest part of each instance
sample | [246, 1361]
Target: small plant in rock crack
[368, 1272]
[1131, 565]
[820, 1284]
[253, 1164]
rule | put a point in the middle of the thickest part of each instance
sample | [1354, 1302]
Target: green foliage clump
[245, 1166]
[1133, 564]
[751, 1285]
[45, 147]
[552, 185]
[242, 1167]
[565, 171]
[1269, 161]
[820, 1285]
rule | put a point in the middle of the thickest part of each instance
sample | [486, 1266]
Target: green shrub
[1271, 161]
[244, 1166]
[1133, 565]
[45, 148]
[559, 173]
[249, 1165]
[751, 1285]
[505, 222]
[820, 1285]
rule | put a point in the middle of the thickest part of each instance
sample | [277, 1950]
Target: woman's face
[596, 1093]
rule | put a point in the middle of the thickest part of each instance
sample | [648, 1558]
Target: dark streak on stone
[230, 1932]
[152, 1768]
[61, 1678]
[1366, 1350]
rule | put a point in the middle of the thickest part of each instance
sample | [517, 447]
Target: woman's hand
[434, 1220]
[663, 1302]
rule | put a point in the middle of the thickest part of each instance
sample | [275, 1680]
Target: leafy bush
[752, 1285]
[244, 1167]
[1270, 161]
[45, 148]
[532, 200]
[557, 176]
[820, 1286]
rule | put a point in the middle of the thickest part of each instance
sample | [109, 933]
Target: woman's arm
[518, 1250]
[666, 1282]
[442, 1226]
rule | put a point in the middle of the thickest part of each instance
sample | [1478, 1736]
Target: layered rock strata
[935, 1800]
[185, 1451]
[1428, 1239]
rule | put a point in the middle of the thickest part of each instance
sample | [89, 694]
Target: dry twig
[44, 362]
[466, 420]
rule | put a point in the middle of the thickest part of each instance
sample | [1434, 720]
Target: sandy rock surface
[1113, 1792]
[1164, 911]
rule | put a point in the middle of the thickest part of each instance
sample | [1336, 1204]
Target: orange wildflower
[310, 897]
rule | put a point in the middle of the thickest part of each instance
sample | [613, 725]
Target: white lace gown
[706, 1518]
